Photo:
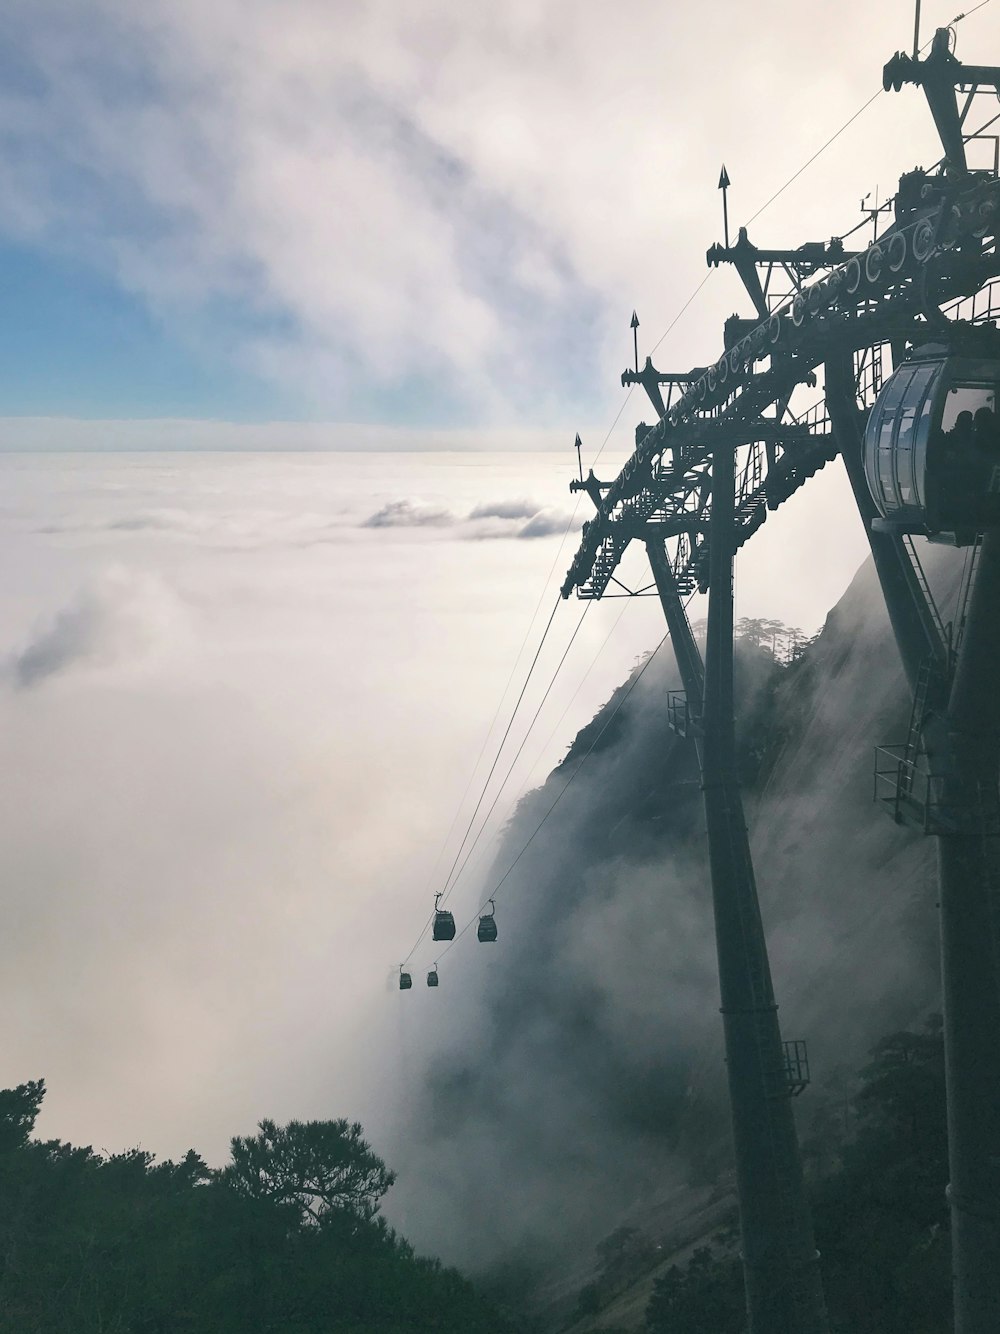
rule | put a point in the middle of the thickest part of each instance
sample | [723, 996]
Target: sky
[413, 217]
[302, 307]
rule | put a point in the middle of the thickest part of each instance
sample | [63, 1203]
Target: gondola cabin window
[932, 447]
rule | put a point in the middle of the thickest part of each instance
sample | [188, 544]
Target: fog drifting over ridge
[574, 1072]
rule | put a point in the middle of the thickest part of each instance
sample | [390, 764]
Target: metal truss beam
[884, 298]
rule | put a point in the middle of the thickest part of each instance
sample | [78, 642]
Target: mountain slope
[574, 1073]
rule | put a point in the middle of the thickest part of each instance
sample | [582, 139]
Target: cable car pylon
[933, 464]
[948, 787]
[784, 1292]
[681, 487]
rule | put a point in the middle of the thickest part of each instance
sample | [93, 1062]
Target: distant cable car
[405, 980]
[932, 444]
[487, 930]
[444, 922]
[432, 977]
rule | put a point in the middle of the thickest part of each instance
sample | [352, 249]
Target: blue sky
[73, 342]
[419, 218]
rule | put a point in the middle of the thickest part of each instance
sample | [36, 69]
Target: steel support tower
[957, 704]
[934, 266]
[784, 1293]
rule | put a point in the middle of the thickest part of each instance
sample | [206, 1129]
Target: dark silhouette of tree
[315, 1166]
[623, 1255]
[286, 1238]
[706, 1297]
[880, 1212]
[18, 1112]
[882, 1219]
[752, 630]
[785, 643]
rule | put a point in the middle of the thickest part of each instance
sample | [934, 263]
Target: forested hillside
[575, 1081]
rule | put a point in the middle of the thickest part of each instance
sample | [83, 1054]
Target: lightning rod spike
[724, 187]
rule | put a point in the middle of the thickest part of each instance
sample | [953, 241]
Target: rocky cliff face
[574, 1077]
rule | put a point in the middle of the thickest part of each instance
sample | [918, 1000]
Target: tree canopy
[285, 1238]
[315, 1167]
[879, 1211]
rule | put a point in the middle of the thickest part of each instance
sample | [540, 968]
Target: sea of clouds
[242, 700]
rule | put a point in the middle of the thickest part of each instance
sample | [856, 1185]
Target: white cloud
[409, 514]
[232, 766]
[505, 509]
[250, 722]
[489, 519]
[445, 205]
[114, 616]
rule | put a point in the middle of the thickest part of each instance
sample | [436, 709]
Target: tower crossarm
[653, 381]
[890, 293]
[942, 76]
[673, 498]
[750, 263]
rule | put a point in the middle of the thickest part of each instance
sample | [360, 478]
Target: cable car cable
[531, 622]
[753, 218]
[520, 697]
[548, 580]
[503, 739]
[678, 315]
[808, 163]
[520, 749]
[419, 938]
[496, 715]
[558, 724]
[968, 13]
[562, 543]
[562, 792]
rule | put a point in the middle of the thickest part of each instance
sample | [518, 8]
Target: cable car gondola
[487, 929]
[405, 980]
[432, 977]
[444, 922]
[932, 444]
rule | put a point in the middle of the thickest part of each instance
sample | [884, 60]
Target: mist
[570, 1078]
[239, 721]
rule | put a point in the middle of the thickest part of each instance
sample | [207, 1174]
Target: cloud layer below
[522, 519]
[240, 724]
[113, 616]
